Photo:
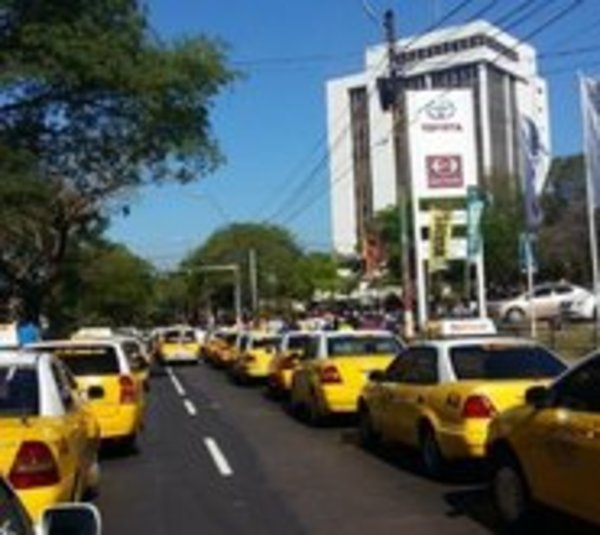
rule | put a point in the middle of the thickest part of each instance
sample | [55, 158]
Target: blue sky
[270, 124]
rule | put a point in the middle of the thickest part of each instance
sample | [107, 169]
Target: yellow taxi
[220, 348]
[287, 358]
[441, 395]
[109, 380]
[329, 380]
[179, 344]
[48, 437]
[255, 351]
[548, 450]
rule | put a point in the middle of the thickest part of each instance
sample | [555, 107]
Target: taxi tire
[313, 414]
[508, 478]
[432, 460]
[514, 315]
[368, 437]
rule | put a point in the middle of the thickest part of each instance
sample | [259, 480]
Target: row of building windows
[411, 56]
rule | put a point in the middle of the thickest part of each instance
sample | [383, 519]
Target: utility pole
[253, 280]
[237, 284]
[402, 184]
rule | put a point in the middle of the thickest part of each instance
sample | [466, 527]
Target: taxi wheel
[432, 460]
[515, 315]
[315, 418]
[510, 491]
[369, 438]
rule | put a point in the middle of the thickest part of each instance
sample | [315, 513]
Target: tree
[105, 284]
[320, 271]
[93, 104]
[279, 261]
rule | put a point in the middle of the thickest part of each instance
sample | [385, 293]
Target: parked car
[548, 450]
[49, 437]
[582, 308]
[253, 362]
[72, 518]
[112, 381]
[440, 396]
[337, 365]
[548, 301]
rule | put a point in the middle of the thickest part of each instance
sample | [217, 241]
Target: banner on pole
[534, 171]
[591, 125]
[440, 233]
[475, 207]
[527, 252]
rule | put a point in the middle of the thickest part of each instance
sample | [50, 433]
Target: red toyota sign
[444, 171]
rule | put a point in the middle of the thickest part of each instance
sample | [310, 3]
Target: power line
[544, 26]
[301, 187]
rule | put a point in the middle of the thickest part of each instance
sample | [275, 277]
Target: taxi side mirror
[377, 376]
[73, 518]
[539, 397]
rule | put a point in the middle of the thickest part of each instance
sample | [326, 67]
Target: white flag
[591, 125]
[534, 171]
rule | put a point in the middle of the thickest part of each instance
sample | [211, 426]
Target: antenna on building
[371, 12]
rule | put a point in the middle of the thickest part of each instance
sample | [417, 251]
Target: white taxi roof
[461, 327]
[89, 342]
[15, 358]
[355, 333]
[475, 340]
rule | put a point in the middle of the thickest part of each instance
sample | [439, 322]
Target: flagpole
[591, 204]
[529, 263]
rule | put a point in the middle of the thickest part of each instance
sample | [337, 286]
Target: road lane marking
[217, 455]
[190, 407]
[176, 384]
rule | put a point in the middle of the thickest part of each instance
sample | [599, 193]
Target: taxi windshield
[88, 360]
[491, 361]
[179, 337]
[19, 394]
[349, 346]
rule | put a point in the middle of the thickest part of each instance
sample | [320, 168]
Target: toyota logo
[441, 110]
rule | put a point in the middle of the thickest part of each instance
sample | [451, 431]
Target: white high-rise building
[500, 69]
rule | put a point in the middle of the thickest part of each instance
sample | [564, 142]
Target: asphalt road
[220, 459]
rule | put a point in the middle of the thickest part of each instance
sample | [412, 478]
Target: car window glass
[19, 391]
[179, 337]
[64, 389]
[351, 346]
[398, 368]
[424, 366]
[542, 292]
[88, 360]
[504, 361]
[312, 348]
[265, 343]
[563, 289]
[580, 390]
[134, 355]
[13, 518]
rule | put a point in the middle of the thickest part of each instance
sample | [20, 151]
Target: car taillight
[128, 389]
[330, 374]
[34, 466]
[478, 406]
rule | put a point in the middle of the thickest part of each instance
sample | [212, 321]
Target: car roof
[357, 333]
[25, 358]
[483, 340]
[92, 342]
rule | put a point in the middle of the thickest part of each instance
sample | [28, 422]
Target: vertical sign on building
[443, 166]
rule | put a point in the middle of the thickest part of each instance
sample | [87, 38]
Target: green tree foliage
[564, 237]
[320, 270]
[279, 264]
[93, 104]
[103, 284]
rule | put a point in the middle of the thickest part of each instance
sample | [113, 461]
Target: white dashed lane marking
[218, 457]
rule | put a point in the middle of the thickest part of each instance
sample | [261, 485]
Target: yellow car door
[412, 392]
[567, 455]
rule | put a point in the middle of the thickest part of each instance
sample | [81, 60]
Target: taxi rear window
[298, 342]
[504, 362]
[19, 392]
[85, 361]
[265, 343]
[349, 346]
[179, 337]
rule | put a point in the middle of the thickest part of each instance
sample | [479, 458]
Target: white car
[583, 308]
[547, 302]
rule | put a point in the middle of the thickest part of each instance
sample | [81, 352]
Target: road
[219, 459]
